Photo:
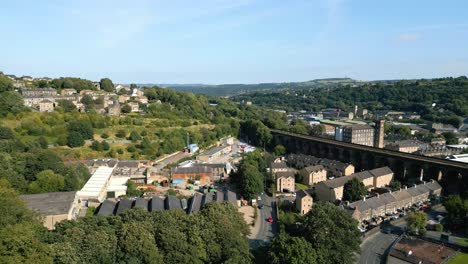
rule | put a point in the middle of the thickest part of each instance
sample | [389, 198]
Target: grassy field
[302, 186]
[461, 258]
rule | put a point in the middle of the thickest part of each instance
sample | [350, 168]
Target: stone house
[313, 174]
[304, 202]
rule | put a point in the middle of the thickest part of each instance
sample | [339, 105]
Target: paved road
[373, 248]
[264, 231]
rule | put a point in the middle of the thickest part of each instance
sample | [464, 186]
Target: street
[263, 231]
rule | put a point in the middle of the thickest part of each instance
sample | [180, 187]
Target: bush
[134, 136]
[75, 139]
[105, 145]
[120, 151]
[439, 227]
[121, 134]
[171, 192]
[143, 133]
[131, 148]
[104, 135]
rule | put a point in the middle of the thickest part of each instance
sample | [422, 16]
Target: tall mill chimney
[379, 133]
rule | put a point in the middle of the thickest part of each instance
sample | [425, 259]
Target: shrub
[121, 134]
[104, 135]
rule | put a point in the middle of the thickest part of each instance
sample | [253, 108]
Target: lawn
[302, 186]
[461, 258]
[463, 241]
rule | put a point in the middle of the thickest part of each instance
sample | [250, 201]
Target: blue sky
[229, 41]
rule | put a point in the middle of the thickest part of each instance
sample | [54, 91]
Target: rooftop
[54, 203]
[213, 151]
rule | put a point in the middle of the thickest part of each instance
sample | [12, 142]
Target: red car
[270, 219]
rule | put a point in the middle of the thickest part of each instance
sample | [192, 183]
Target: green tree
[47, 181]
[354, 190]
[105, 145]
[6, 133]
[252, 181]
[96, 145]
[317, 130]
[84, 128]
[332, 233]
[257, 132]
[126, 109]
[138, 245]
[74, 139]
[5, 84]
[43, 142]
[280, 150]
[416, 222]
[132, 190]
[134, 136]
[67, 105]
[11, 102]
[294, 250]
[395, 185]
[88, 102]
[450, 137]
[457, 209]
[121, 134]
[107, 85]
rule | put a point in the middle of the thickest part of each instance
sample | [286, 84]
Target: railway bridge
[407, 167]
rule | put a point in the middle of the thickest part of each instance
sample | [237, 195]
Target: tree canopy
[354, 190]
[107, 85]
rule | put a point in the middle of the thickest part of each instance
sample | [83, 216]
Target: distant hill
[236, 89]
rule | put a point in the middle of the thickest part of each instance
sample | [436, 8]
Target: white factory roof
[118, 183]
[98, 181]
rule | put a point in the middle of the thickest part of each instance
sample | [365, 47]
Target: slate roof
[124, 204]
[207, 198]
[172, 203]
[285, 174]
[141, 203]
[301, 194]
[195, 203]
[128, 164]
[279, 165]
[219, 197]
[54, 203]
[231, 197]
[191, 170]
[156, 204]
[107, 208]
[310, 169]
[381, 171]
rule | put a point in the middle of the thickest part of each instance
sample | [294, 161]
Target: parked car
[270, 219]
[260, 206]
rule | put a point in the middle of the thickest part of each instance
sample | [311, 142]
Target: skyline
[246, 41]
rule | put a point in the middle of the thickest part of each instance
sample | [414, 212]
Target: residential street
[263, 231]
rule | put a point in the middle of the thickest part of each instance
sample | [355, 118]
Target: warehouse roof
[172, 202]
[124, 205]
[156, 204]
[54, 203]
[195, 203]
[141, 203]
[107, 208]
[97, 183]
